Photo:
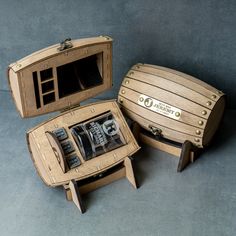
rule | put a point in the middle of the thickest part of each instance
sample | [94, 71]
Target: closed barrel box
[171, 105]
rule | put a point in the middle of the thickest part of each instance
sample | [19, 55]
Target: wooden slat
[183, 79]
[167, 97]
[52, 51]
[185, 117]
[166, 131]
[172, 86]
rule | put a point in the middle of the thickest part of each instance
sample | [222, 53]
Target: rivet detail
[198, 132]
[208, 103]
[127, 82]
[123, 91]
[204, 112]
[213, 96]
[197, 140]
[177, 114]
[200, 122]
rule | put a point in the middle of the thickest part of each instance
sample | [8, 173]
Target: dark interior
[46, 74]
[48, 98]
[79, 75]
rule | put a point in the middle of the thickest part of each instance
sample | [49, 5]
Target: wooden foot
[74, 189]
[76, 197]
[129, 172]
[186, 153]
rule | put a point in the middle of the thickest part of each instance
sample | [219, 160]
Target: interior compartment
[48, 98]
[79, 75]
[46, 74]
[48, 86]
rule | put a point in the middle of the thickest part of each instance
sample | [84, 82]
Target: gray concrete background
[196, 37]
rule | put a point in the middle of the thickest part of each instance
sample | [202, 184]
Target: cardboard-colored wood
[180, 106]
[46, 160]
[58, 78]
[129, 172]
[186, 152]
[76, 197]
[74, 190]
[37, 76]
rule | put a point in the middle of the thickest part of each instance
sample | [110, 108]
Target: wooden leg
[68, 194]
[129, 171]
[76, 197]
[186, 156]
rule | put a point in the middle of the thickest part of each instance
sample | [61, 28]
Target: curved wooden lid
[61, 76]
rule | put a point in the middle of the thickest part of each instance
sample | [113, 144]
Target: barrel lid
[62, 75]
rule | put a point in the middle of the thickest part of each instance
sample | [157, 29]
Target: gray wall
[196, 37]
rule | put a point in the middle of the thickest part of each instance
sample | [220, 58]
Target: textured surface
[199, 201]
[196, 37]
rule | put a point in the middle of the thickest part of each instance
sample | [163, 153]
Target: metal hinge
[65, 44]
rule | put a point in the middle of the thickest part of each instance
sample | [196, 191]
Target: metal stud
[137, 67]
[200, 122]
[131, 73]
[197, 140]
[127, 82]
[208, 103]
[198, 132]
[204, 112]
[177, 114]
[121, 100]
[123, 91]
[213, 96]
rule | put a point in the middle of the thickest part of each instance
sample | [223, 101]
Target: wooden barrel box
[84, 147]
[171, 104]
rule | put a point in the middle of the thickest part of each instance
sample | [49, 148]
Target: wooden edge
[52, 51]
[34, 163]
[57, 150]
[129, 172]
[70, 111]
[12, 95]
[187, 155]
[76, 197]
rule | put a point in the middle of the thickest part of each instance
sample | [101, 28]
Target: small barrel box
[171, 104]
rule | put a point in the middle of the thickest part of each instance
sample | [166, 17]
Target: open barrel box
[84, 147]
